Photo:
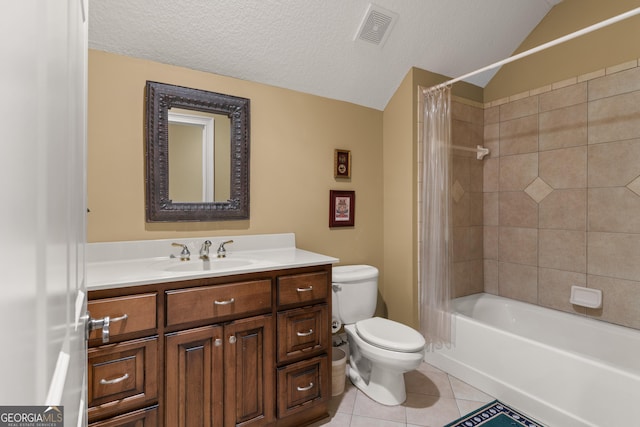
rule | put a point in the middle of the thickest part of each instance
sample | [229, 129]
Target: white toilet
[381, 350]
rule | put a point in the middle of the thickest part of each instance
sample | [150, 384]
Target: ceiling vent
[376, 25]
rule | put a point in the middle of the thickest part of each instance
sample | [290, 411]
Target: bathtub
[562, 369]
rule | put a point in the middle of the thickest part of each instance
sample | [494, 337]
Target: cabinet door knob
[217, 342]
[305, 334]
[309, 387]
[232, 339]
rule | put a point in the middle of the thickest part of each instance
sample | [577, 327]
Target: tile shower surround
[557, 202]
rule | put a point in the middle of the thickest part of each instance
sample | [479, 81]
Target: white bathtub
[562, 369]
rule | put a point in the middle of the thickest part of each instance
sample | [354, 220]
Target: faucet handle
[222, 252]
[185, 255]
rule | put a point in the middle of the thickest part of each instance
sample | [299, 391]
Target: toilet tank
[355, 292]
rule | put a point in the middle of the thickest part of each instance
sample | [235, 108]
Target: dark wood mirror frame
[160, 97]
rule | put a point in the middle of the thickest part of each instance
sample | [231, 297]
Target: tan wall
[614, 44]
[293, 137]
[399, 205]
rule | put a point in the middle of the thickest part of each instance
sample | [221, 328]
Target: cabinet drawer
[302, 331]
[122, 376]
[142, 418]
[302, 288]
[130, 316]
[301, 385]
[220, 301]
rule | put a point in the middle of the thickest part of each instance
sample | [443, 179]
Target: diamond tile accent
[538, 190]
[635, 186]
[457, 191]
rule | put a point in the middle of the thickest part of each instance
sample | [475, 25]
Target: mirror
[197, 154]
[199, 168]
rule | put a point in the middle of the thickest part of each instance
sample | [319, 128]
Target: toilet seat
[390, 335]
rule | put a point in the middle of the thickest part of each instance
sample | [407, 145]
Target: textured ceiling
[308, 45]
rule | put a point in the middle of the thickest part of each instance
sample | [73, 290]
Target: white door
[43, 57]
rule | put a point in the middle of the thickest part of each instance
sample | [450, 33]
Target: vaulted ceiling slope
[309, 46]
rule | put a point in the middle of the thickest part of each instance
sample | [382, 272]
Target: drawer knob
[307, 289]
[225, 302]
[305, 334]
[309, 387]
[115, 380]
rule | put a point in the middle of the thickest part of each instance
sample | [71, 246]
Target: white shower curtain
[435, 242]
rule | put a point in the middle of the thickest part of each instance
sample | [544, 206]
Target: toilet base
[384, 386]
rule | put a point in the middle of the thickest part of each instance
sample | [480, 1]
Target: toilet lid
[390, 335]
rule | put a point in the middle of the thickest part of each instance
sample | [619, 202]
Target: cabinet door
[194, 378]
[249, 372]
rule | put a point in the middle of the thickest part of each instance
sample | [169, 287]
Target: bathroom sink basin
[214, 264]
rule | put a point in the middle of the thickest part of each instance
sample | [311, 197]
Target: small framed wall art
[342, 163]
[342, 208]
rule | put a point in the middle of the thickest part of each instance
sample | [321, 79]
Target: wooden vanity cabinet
[303, 343]
[247, 350]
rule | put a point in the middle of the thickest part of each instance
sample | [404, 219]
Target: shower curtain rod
[544, 46]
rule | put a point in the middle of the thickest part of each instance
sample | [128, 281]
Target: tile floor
[434, 399]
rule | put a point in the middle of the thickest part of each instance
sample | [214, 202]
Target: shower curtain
[435, 240]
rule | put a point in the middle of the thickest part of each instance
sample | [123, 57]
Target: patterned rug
[495, 414]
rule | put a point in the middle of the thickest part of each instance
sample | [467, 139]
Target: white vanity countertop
[118, 264]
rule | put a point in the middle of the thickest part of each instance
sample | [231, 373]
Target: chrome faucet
[185, 255]
[204, 250]
[222, 252]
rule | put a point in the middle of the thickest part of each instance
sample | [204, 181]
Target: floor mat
[495, 414]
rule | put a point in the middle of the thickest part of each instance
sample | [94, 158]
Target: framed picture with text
[342, 208]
